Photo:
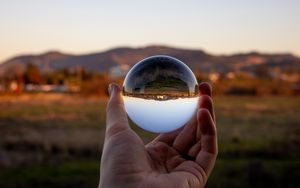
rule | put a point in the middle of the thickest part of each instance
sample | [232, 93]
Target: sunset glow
[92, 26]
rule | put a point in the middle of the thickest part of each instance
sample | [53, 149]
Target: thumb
[116, 118]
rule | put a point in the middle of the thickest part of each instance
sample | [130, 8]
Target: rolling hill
[197, 60]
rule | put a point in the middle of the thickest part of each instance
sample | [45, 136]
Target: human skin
[183, 158]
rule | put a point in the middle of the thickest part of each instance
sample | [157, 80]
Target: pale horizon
[80, 27]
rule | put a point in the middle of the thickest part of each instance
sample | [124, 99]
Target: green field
[52, 140]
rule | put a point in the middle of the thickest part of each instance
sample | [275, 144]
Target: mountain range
[197, 60]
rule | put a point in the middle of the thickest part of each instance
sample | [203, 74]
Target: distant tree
[200, 76]
[96, 85]
[32, 74]
[262, 71]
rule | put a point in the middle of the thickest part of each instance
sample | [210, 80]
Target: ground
[55, 140]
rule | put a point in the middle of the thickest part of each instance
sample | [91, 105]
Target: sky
[86, 26]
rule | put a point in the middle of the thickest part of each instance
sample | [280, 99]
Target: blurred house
[51, 88]
[15, 87]
[293, 78]
[118, 71]
[231, 75]
[214, 76]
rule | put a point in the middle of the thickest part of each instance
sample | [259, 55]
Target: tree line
[92, 83]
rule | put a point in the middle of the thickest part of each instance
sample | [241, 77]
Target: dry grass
[46, 128]
[49, 129]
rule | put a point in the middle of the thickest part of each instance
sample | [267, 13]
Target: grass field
[53, 140]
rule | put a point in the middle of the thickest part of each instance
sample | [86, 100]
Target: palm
[171, 165]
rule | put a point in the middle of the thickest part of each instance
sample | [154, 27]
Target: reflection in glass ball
[160, 94]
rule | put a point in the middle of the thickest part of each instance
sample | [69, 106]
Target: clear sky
[217, 26]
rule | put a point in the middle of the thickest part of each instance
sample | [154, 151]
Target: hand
[182, 158]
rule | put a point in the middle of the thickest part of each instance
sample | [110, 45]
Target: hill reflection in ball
[160, 94]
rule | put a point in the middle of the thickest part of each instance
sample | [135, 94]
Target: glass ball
[160, 94]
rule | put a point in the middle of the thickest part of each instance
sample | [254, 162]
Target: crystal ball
[160, 94]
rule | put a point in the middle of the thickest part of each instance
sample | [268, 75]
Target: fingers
[207, 103]
[209, 148]
[198, 138]
[204, 103]
[116, 118]
[205, 89]
[189, 135]
[193, 152]
[186, 137]
[167, 138]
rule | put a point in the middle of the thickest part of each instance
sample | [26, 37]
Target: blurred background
[58, 57]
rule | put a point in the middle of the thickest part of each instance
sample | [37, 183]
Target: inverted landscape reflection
[160, 94]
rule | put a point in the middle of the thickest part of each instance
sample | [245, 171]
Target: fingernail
[110, 88]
